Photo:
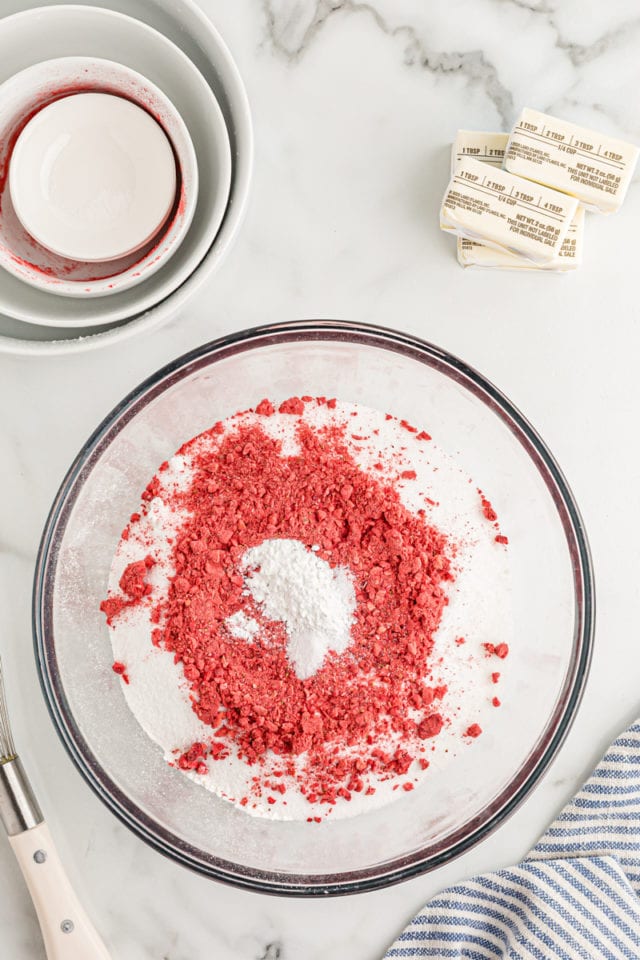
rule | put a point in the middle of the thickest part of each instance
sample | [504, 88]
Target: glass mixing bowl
[551, 598]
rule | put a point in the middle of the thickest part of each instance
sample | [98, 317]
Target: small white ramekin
[36, 87]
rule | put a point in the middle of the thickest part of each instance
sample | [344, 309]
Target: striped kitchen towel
[577, 894]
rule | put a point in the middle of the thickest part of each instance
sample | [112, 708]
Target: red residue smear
[244, 492]
[45, 271]
[473, 731]
[496, 702]
[121, 670]
[495, 677]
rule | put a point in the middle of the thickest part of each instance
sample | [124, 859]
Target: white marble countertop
[355, 105]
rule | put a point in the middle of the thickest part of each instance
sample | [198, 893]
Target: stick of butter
[480, 145]
[503, 210]
[471, 253]
[490, 148]
[590, 166]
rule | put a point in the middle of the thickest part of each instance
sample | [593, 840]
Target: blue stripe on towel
[575, 897]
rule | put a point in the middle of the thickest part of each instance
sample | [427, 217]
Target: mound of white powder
[314, 601]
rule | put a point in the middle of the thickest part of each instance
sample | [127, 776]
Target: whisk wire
[7, 746]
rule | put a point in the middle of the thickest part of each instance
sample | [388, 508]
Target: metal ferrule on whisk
[19, 808]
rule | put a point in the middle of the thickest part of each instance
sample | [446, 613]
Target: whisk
[66, 930]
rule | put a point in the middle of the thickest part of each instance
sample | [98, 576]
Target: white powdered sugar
[285, 581]
[242, 626]
[314, 601]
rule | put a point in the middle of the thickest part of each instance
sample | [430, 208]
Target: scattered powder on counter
[293, 613]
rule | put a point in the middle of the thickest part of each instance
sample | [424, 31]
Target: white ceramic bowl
[22, 97]
[93, 177]
[69, 30]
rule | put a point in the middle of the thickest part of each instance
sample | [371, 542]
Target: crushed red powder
[491, 515]
[500, 650]
[488, 510]
[121, 670]
[265, 408]
[367, 711]
[243, 492]
[193, 758]
[293, 405]
[133, 585]
[407, 426]
[430, 726]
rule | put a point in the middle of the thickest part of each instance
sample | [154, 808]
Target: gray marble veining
[355, 105]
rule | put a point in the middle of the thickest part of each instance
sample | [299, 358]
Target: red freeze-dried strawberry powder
[370, 710]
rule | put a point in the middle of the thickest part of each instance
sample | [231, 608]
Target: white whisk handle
[67, 931]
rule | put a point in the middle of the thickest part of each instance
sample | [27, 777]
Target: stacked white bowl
[124, 168]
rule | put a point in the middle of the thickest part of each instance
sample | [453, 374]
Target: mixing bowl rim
[521, 783]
